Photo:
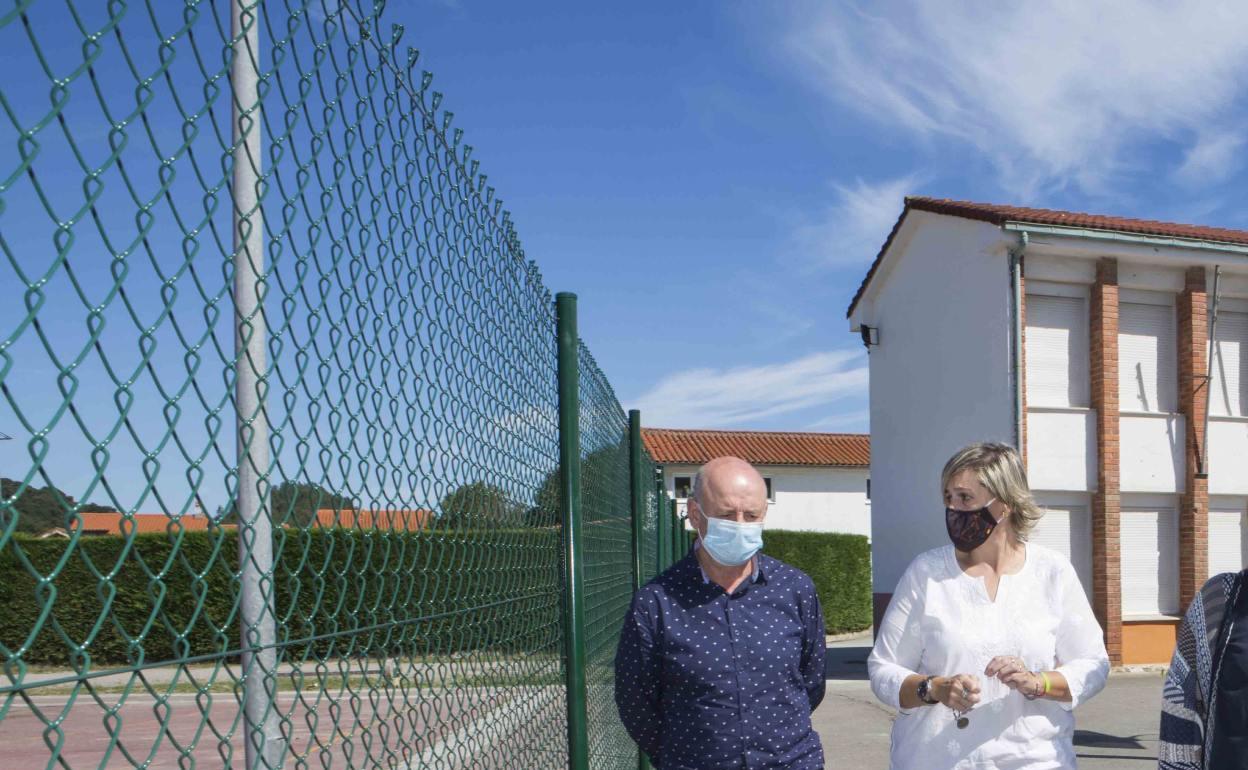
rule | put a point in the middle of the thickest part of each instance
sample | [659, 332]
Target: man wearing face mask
[721, 658]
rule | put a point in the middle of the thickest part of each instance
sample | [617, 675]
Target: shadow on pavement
[1093, 739]
[847, 662]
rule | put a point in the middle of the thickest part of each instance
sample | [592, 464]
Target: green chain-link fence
[285, 484]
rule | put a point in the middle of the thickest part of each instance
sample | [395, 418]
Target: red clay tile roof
[694, 447]
[110, 523]
[999, 214]
[396, 520]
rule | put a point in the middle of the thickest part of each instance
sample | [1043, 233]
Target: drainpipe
[1202, 468]
[1016, 340]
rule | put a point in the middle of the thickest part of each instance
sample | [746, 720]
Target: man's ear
[694, 512]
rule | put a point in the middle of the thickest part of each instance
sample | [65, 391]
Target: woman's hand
[959, 692]
[1013, 673]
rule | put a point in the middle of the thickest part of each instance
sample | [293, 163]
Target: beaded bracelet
[1045, 691]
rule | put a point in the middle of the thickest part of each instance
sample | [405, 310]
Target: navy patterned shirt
[709, 681]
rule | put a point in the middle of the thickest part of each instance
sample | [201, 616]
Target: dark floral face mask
[969, 529]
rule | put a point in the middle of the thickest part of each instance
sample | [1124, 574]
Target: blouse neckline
[951, 559]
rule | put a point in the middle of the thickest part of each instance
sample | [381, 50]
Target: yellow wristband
[1047, 683]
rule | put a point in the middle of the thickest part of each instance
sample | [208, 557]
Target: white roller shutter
[1150, 561]
[1147, 374]
[1229, 394]
[1057, 351]
[1226, 539]
[1068, 530]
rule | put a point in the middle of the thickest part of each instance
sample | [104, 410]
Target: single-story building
[148, 523]
[1086, 341]
[815, 481]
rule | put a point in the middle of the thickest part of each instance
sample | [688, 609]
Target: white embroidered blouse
[941, 622]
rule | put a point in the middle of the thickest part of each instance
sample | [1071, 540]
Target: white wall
[1061, 449]
[940, 377]
[1150, 452]
[1228, 456]
[814, 499]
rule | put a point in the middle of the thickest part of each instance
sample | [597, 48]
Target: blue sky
[711, 178]
[714, 178]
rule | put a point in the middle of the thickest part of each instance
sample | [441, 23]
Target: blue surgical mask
[731, 543]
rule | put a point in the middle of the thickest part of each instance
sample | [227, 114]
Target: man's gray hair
[696, 491]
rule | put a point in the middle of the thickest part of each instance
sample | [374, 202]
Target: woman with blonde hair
[988, 643]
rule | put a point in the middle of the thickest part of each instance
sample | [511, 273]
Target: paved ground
[1117, 729]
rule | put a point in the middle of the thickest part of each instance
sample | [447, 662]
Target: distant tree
[479, 503]
[606, 465]
[42, 508]
[295, 503]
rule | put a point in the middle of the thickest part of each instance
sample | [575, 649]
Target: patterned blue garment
[708, 681]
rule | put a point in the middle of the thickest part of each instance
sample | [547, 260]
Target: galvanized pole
[570, 516]
[262, 739]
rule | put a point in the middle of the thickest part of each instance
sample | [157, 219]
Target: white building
[1084, 339]
[815, 481]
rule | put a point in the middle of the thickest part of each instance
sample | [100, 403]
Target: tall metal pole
[262, 739]
[660, 531]
[678, 533]
[570, 510]
[637, 485]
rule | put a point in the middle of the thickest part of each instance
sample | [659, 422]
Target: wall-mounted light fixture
[870, 335]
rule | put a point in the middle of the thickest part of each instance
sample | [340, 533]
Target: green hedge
[839, 564]
[337, 592]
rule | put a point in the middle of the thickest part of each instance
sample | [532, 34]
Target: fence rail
[285, 487]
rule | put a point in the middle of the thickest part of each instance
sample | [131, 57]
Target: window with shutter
[1229, 390]
[1150, 561]
[1226, 538]
[1068, 530]
[1057, 351]
[1147, 374]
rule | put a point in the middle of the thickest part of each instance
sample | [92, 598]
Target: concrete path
[1116, 730]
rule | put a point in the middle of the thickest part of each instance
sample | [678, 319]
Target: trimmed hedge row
[337, 592]
[840, 566]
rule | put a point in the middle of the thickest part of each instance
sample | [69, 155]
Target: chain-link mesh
[388, 405]
[607, 531]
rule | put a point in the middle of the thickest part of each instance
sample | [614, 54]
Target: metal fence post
[637, 487]
[262, 739]
[660, 532]
[678, 533]
[570, 515]
[637, 490]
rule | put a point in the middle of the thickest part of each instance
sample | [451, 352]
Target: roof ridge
[1000, 213]
[1004, 210]
[758, 432]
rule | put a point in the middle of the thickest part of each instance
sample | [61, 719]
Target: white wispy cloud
[1213, 158]
[1052, 95]
[711, 398]
[850, 231]
[856, 420]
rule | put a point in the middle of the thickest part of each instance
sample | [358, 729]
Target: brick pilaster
[1193, 392]
[1106, 501]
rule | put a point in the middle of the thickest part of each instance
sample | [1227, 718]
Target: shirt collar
[755, 575]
